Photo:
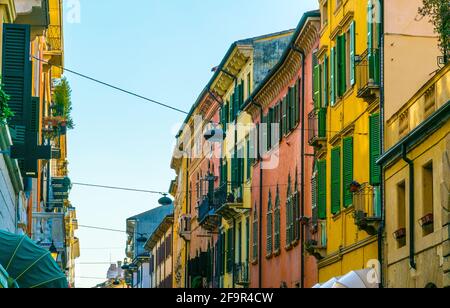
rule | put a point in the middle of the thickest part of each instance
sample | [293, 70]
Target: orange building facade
[282, 175]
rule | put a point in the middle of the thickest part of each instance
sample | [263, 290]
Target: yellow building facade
[416, 148]
[347, 83]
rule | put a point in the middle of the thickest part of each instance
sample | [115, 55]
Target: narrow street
[198, 144]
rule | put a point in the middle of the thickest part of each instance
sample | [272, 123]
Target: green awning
[29, 265]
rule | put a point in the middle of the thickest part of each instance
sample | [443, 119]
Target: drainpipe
[382, 117]
[412, 250]
[234, 253]
[302, 163]
[261, 174]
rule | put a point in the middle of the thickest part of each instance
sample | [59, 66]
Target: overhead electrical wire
[112, 86]
[120, 188]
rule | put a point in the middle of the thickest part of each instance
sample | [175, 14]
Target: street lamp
[165, 200]
[53, 251]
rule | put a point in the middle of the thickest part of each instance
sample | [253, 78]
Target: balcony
[317, 124]
[241, 275]
[316, 237]
[184, 227]
[228, 206]
[367, 203]
[208, 219]
[368, 75]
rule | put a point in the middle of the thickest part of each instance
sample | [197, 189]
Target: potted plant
[355, 187]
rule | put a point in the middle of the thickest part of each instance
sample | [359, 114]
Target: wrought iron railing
[317, 125]
[241, 274]
[368, 71]
[367, 201]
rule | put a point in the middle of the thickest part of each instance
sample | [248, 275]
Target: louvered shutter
[284, 108]
[375, 149]
[347, 170]
[335, 180]
[333, 76]
[322, 189]
[322, 119]
[316, 86]
[352, 53]
[341, 65]
[325, 82]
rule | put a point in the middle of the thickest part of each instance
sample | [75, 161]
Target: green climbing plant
[439, 13]
[5, 112]
[62, 102]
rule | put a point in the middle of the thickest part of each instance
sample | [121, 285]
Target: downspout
[382, 117]
[412, 249]
[261, 174]
[302, 164]
[234, 253]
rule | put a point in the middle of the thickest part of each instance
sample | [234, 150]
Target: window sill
[276, 253]
[269, 256]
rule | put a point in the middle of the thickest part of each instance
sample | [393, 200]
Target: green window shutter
[336, 180]
[284, 115]
[237, 100]
[269, 226]
[316, 79]
[288, 222]
[341, 66]
[265, 130]
[322, 119]
[232, 108]
[322, 189]
[292, 108]
[255, 236]
[375, 149]
[230, 250]
[332, 77]
[352, 53]
[16, 74]
[241, 92]
[298, 101]
[325, 82]
[269, 129]
[249, 161]
[347, 170]
[277, 217]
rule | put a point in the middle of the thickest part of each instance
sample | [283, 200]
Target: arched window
[289, 214]
[269, 226]
[255, 235]
[277, 223]
[296, 210]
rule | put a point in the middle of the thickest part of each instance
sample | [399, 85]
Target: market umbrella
[28, 264]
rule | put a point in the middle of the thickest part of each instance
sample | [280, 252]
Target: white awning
[353, 280]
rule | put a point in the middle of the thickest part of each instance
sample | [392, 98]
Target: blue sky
[162, 49]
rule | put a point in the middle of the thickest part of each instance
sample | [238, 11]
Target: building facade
[416, 145]
[347, 100]
[139, 229]
[160, 246]
[281, 176]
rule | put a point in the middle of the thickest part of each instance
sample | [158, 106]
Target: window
[269, 226]
[255, 235]
[401, 213]
[341, 64]
[324, 13]
[374, 151]
[333, 76]
[348, 66]
[230, 250]
[291, 200]
[277, 222]
[347, 170]
[316, 81]
[249, 84]
[324, 82]
[428, 202]
[322, 189]
[336, 180]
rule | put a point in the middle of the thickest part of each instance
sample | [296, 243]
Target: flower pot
[400, 234]
[426, 220]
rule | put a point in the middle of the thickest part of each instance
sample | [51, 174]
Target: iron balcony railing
[367, 201]
[317, 120]
[368, 72]
[316, 234]
[241, 274]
